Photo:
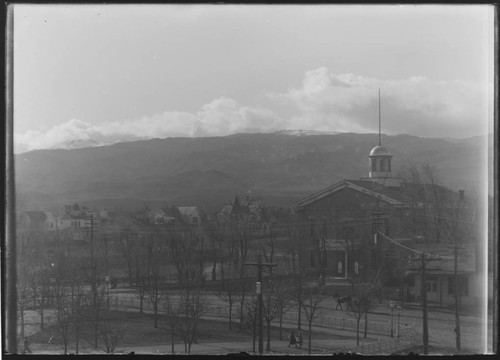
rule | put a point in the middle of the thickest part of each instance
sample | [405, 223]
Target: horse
[344, 299]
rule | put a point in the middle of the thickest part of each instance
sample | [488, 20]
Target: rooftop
[379, 151]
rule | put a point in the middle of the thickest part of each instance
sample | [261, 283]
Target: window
[195, 219]
[374, 164]
[339, 267]
[356, 267]
[313, 263]
[431, 286]
[382, 164]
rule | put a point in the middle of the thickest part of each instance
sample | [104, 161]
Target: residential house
[79, 219]
[249, 215]
[440, 274]
[191, 215]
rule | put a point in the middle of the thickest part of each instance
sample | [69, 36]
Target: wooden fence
[323, 320]
[386, 346]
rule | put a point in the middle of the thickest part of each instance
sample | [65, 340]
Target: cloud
[417, 105]
[325, 102]
[222, 116]
[72, 131]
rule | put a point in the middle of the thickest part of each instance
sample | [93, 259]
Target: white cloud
[222, 116]
[417, 105]
[325, 102]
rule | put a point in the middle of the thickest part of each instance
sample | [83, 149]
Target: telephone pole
[259, 266]
[457, 297]
[423, 292]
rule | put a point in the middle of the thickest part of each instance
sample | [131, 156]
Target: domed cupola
[380, 162]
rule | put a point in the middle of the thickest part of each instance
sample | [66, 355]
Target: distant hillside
[281, 168]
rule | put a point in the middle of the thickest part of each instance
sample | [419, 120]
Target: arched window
[339, 267]
[356, 267]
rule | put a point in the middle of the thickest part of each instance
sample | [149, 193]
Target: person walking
[299, 339]
[291, 339]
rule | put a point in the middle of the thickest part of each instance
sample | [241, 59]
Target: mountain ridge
[280, 168]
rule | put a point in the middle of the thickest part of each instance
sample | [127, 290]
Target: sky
[98, 74]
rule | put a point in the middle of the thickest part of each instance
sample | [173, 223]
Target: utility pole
[425, 330]
[107, 277]
[423, 292]
[457, 298]
[259, 266]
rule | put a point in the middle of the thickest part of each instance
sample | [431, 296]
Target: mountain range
[279, 168]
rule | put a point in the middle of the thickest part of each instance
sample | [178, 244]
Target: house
[158, 217]
[191, 215]
[249, 215]
[440, 275]
[78, 219]
[342, 224]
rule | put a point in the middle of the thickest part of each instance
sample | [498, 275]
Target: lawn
[138, 330]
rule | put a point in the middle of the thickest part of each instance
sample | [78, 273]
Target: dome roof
[379, 151]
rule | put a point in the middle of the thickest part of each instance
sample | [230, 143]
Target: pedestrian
[291, 338]
[299, 339]
[26, 349]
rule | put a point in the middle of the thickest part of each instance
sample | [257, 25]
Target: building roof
[188, 210]
[379, 151]
[446, 264]
[381, 189]
[393, 196]
[370, 188]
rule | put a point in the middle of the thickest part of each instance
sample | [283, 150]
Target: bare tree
[284, 298]
[298, 296]
[270, 307]
[26, 272]
[173, 312]
[127, 246]
[111, 333]
[192, 305]
[236, 238]
[313, 296]
[153, 278]
[62, 295]
[360, 306]
[251, 317]
[229, 292]
[141, 277]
